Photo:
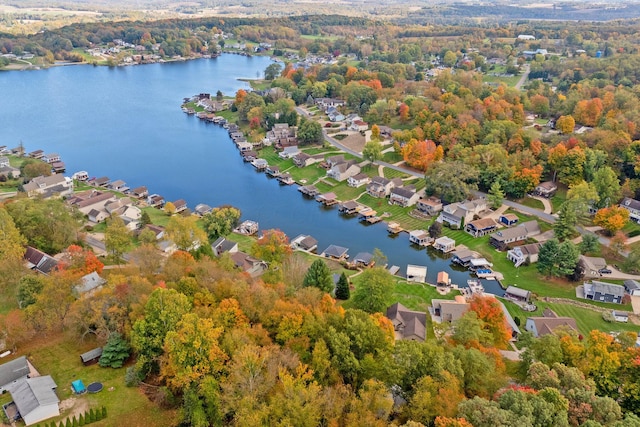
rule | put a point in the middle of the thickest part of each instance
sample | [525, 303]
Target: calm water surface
[126, 123]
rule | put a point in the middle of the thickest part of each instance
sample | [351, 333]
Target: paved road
[524, 77]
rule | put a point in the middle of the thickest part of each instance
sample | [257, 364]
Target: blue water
[126, 123]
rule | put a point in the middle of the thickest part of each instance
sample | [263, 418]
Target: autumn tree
[221, 221]
[565, 124]
[319, 276]
[374, 288]
[32, 168]
[185, 232]
[611, 219]
[82, 260]
[342, 288]
[421, 154]
[116, 238]
[372, 151]
[489, 311]
[11, 241]
[272, 246]
[606, 183]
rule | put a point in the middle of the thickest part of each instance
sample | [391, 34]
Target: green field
[532, 203]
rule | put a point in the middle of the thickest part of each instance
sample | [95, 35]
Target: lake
[126, 123]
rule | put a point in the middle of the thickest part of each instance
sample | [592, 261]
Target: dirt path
[75, 406]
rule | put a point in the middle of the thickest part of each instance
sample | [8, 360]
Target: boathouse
[444, 244]
[419, 237]
[416, 273]
[336, 252]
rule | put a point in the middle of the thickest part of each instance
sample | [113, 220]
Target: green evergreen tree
[92, 416]
[565, 225]
[496, 195]
[319, 276]
[104, 412]
[68, 423]
[75, 422]
[115, 352]
[61, 424]
[81, 420]
[342, 288]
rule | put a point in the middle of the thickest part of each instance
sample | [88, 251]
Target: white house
[403, 196]
[49, 186]
[35, 399]
[289, 152]
[633, 206]
[358, 180]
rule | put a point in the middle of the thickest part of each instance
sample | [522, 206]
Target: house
[526, 37]
[140, 192]
[633, 206]
[309, 190]
[363, 259]
[336, 252]
[222, 245]
[620, 316]
[444, 244]
[342, 171]
[158, 230]
[381, 187]
[358, 180]
[167, 246]
[591, 266]
[100, 182]
[517, 294]
[430, 206]
[289, 152]
[90, 200]
[302, 160]
[508, 219]
[39, 261]
[89, 283]
[325, 103]
[9, 172]
[464, 256]
[604, 292]
[481, 227]
[334, 160]
[503, 238]
[407, 324]
[327, 199]
[58, 167]
[273, 171]
[524, 254]
[97, 216]
[49, 186]
[91, 357]
[35, 399]
[305, 243]
[632, 287]
[13, 371]
[416, 273]
[202, 209]
[80, 176]
[180, 205]
[118, 185]
[420, 237]
[359, 126]
[244, 147]
[350, 207]
[545, 189]
[548, 322]
[155, 200]
[250, 265]
[51, 158]
[457, 214]
[38, 154]
[448, 310]
[403, 196]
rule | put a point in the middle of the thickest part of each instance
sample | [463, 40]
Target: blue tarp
[78, 387]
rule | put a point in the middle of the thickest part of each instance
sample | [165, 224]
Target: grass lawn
[232, 117]
[397, 213]
[342, 190]
[158, 216]
[532, 203]
[16, 161]
[392, 173]
[392, 157]
[318, 150]
[58, 356]
[559, 198]
[307, 175]
[417, 296]
[509, 81]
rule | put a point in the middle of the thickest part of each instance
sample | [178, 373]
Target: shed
[416, 273]
[517, 294]
[91, 356]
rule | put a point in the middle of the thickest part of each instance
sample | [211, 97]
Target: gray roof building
[35, 399]
[13, 371]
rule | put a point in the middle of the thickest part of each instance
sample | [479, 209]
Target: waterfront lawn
[271, 156]
[16, 161]
[418, 296]
[58, 355]
[229, 115]
[341, 189]
[418, 183]
[307, 175]
[158, 216]
[396, 213]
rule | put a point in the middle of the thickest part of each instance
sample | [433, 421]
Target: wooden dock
[394, 228]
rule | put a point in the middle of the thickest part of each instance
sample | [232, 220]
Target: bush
[607, 316]
[132, 377]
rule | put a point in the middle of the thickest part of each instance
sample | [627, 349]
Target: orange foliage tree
[612, 218]
[490, 312]
[403, 111]
[81, 260]
[273, 246]
[421, 154]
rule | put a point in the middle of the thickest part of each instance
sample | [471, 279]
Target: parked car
[604, 271]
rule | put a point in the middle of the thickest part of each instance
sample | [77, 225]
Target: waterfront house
[358, 180]
[546, 324]
[457, 214]
[502, 239]
[309, 190]
[603, 292]
[430, 206]
[285, 179]
[180, 205]
[327, 199]
[481, 227]
[444, 244]
[247, 227]
[335, 252]
[245, 146]
[202, 209]
[546, 189]
[633, 206]
[407, 324]
[524, 254]
[39, 261]
[273, 171]
[155, 200]
[419, 237]
[350, 207]
[508, 219]
[140, 192]
[37, 154]
[302, 160]
[103, 181]
[13, 371]
[49, 186]
[517, 294]
[304, 243]
[416, 273]
[380, 187]
[58, 167]
[342, 171]
[632, 287]
[289, 152]
[51, 157]
[403, 196]
[449, 310]
[90, 200]
[222, 245]
[118, 185]
[80, 176]
[443, 279]
[363, 259]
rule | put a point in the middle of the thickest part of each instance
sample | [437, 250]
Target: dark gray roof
[91, 354]
[631, 285]
[363, 257]
[308, 243]
[222, 245]
[31, 393]
[412, 322]
[403, 192]
[519, 292]
[90, 282]
[630, 203]
[335, 251]
[13, 370]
